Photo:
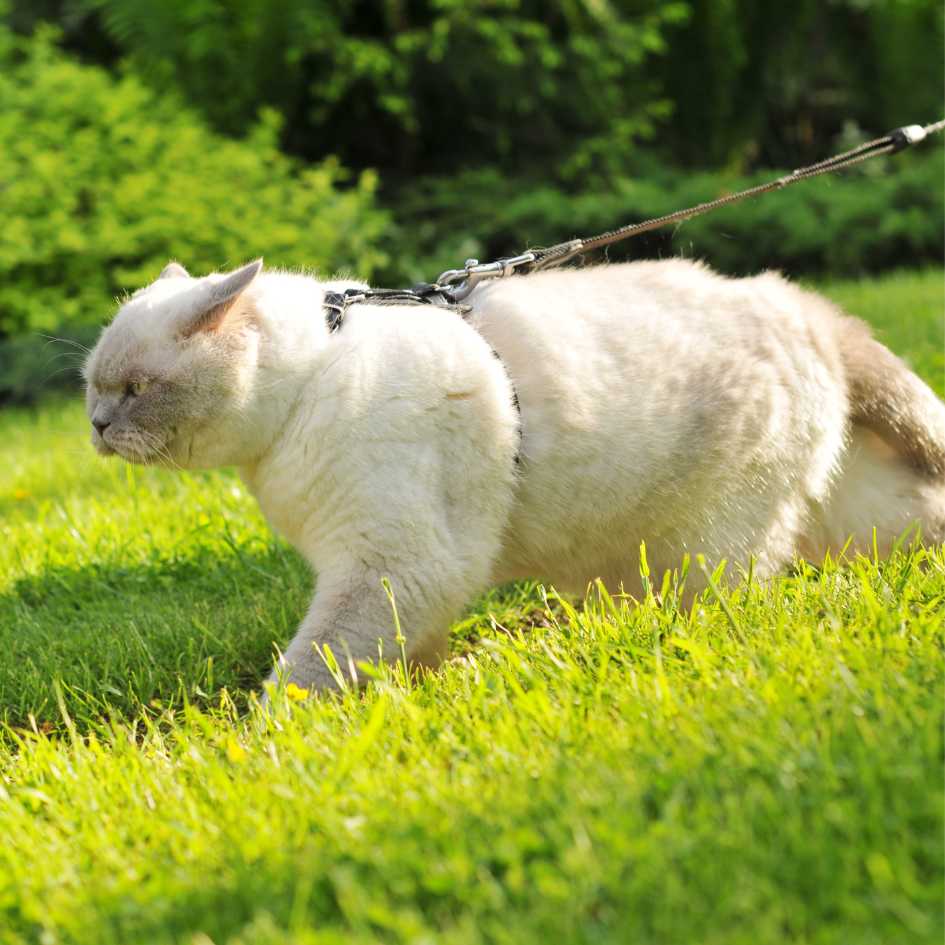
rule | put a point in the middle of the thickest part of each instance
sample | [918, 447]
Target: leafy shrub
[414, 87]
[38, 363]
[562, 86]
[763, 84]
[104, 179]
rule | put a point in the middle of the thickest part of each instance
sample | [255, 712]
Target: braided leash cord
[888, 144]
[453, 286]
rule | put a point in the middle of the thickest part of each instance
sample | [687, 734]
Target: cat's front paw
[298, 680]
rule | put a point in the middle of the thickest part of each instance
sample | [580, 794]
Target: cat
[570, 416]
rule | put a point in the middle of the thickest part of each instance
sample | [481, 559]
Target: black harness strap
[426, 293]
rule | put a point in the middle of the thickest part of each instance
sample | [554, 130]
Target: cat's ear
[174, 270]
[219, 300]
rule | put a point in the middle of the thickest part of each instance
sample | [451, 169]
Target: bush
[104, 180]
[888, 214]
[40, 363]
[413, 88]
[565, 87]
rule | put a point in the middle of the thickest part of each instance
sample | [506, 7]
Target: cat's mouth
[142, 449]
[139, 455]
[101, 447]
[133, 456]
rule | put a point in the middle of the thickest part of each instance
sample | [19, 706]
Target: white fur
[659, 403]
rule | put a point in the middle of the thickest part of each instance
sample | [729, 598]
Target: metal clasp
[458, 283]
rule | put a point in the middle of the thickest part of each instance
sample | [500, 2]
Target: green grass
[765, 771]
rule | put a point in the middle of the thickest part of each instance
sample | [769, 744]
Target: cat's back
[657, 342]
[662, 386]
[665, 305]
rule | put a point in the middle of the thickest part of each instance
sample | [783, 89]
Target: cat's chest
[281, 508]
[298, 496]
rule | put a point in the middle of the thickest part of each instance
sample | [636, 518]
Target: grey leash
[454, 285]
[888, 144]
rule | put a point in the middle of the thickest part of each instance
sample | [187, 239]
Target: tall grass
[766, 767]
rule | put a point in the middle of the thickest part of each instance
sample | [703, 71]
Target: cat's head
[170, 379]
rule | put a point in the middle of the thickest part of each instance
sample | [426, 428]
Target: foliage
[413, 87]
[763, 769]
[563, 87]
[890, 214]
[104, 180]
[761, 83]
[35, 364]
[523, 121]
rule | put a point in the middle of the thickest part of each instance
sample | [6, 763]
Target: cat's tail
[892, 474]
[887, 398]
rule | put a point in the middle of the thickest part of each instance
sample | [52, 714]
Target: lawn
[765, 768]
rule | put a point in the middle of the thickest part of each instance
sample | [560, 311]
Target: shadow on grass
[116, 636]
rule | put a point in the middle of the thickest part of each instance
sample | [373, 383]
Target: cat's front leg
[351, 613]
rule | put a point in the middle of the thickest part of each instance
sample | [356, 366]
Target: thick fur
[659, 402]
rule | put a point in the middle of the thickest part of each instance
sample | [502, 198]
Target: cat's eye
[136, 388]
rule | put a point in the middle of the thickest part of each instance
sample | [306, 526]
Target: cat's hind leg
[892, 471]
[877, 488]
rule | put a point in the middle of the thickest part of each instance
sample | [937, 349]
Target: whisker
[65, 341]
[157, 447]
[56, 355]
[63, 370]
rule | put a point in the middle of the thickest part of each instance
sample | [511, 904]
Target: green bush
[755, 84]
[104, 179]
[565, 87]
[39, 363]
[887, 215]
[413, 88]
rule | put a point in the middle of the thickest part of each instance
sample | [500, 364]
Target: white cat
[570, 416]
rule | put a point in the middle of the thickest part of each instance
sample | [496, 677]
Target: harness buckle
[336, 304]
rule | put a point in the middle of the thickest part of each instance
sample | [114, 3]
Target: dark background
[394, 139]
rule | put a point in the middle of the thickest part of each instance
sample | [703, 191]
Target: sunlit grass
[765, 768]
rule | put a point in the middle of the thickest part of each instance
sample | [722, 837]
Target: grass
[764, 769]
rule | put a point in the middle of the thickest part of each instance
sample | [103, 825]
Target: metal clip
[458, 283]
[906, 136]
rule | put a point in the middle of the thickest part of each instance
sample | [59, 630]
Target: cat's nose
[101, 426]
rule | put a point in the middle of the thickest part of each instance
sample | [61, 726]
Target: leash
[895, 141]
[454, 285]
